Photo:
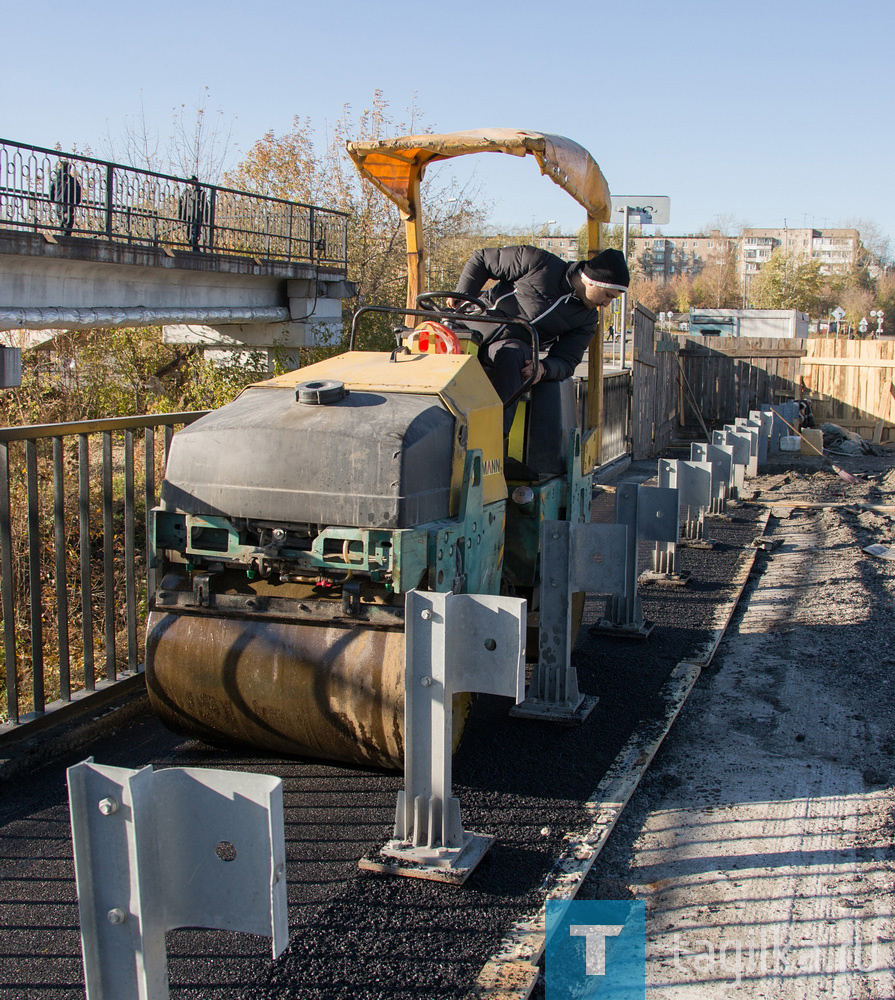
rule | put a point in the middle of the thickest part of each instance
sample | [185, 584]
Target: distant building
[837, 250]
[563, 246]
[748, 323]
[661, 258]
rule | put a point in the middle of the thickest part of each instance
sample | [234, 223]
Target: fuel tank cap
[320, 392]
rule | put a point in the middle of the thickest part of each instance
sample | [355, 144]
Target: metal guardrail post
[575, 559]
[658, 520]
[181, 847]
[783, 415]
[742, 447]
[693, 481]
[765, 422]
[743, 425]
[720, 457]
[453, 643]
[649, 514]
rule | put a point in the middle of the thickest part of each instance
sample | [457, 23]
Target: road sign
[862, 326]
[648, 210]
[838, 313]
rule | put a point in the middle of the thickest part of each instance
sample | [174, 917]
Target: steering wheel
[427, 301]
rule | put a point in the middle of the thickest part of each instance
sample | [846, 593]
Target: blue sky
[760, 112]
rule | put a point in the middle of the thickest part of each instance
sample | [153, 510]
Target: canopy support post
[592, 436]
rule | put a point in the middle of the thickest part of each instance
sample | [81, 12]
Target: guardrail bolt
[107, 806]
[116, 916]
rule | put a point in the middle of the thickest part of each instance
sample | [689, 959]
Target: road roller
[294, 520]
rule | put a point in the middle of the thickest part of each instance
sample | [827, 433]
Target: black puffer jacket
[535, 285]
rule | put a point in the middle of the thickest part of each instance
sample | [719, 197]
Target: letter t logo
[595, 944]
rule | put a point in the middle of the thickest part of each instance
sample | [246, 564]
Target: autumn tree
[857, 303]
[717, 284]
[885, 297]
[657, 296]
[298, 166]
[682, 292]
[787, 281]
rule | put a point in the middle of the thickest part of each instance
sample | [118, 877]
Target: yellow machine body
[459, 382]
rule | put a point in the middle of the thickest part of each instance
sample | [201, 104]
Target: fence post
[452, 643]
[575, 559]
[212, 215]
[8, 585]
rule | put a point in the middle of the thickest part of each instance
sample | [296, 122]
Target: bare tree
[200, 141]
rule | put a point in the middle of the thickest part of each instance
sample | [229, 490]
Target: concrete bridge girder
[197, 298]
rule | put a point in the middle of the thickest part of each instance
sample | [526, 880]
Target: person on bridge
[191, 211]
[65, 191]
[559, 299]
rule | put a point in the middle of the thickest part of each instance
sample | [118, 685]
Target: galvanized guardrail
[45, 190]
[90, 513]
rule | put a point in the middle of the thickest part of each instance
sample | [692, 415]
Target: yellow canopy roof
[391, 164]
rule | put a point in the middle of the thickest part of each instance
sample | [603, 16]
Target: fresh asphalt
[358, 934]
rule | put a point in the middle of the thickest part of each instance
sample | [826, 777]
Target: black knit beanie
[608, 269]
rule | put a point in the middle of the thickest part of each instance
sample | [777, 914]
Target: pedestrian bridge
[86, 243]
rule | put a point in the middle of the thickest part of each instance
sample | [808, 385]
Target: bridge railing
[56, 193]
[74, 503]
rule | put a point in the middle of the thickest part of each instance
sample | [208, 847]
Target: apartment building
[836, 249]
[660, 258]
[563, 246]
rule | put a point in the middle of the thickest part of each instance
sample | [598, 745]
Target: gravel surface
[762, 837]
[355, 933]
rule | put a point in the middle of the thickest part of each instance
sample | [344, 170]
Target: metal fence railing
[616, 415]
[44, 190]
[74, 503]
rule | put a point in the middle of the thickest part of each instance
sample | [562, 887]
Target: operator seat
[550, 417]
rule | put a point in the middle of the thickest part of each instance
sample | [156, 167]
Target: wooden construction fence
[851, 383]
[726, 377]
[654, 406]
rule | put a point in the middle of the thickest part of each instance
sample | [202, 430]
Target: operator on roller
[558, 298]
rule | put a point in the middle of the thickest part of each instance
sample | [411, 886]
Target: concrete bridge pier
[313, 318]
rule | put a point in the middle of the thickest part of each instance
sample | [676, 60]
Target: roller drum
[304, 690]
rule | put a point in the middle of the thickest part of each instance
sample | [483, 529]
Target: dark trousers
[66, 215]
[506, 358]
